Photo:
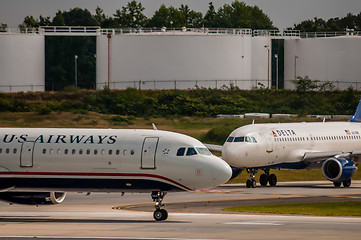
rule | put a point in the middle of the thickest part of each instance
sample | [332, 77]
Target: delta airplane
[38, 166]
[335, 147]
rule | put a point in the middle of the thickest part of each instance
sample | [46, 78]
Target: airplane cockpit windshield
[193, 151]
[242, 139]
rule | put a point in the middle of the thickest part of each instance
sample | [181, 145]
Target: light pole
[296, 57]
[76, 71]
[276, 57]
[267, 46]
[109, 37]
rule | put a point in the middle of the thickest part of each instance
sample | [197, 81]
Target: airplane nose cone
[222, 172]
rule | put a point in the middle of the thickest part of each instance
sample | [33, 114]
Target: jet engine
[338, 169]
[33, 198]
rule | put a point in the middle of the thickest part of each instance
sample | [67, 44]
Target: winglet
[357, 115]
[154, 127]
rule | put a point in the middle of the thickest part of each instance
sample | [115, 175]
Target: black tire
[248, 183]
[165, 214]
[272, 180]
[346, 183]
[263, 180]
[160, 214]
[337, 184]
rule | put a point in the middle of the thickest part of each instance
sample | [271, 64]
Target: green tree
[3, 27]
[79, 17]
[58, 20]
[210, 16]
[239, 15]
[131, 15]
[99, 16]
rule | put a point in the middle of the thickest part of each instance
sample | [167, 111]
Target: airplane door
[149, 150]
[269, 141]
[26, 154]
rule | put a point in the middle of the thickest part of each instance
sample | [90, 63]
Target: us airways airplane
[40, 165]
[335, 147]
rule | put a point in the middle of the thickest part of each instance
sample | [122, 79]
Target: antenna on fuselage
[324, 120]
[252, 121]
[154, 127]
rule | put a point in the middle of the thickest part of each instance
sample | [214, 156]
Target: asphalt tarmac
[196, 215]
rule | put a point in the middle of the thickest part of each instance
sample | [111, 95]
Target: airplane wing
[313, 157]
[214, 147]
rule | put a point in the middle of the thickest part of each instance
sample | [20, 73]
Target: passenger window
[73, 151]
[181, 151]
[230, 139]
[15, 150]
[88, 151]
[81, 151]
[44, 151]
[239, 139]
[66, 151]
[191, 151]
[95, 151]
[117, 152]
[110, 152]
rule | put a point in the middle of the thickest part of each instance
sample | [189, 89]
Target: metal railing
[96, 30]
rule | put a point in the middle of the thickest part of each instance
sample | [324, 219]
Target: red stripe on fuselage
[96, 174]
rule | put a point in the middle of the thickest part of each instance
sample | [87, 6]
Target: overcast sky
[283, 13]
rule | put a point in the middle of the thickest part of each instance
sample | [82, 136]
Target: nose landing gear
[159, 213]
[251, 182]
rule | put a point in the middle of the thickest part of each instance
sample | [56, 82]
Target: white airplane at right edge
[335, 147]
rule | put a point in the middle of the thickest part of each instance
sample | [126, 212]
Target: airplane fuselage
[284, 145]
[105, 160]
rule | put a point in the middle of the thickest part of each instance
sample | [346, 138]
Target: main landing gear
[264, 178]
[159, 213]
[346, 183]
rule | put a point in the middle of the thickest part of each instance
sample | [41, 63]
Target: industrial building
[189, 58]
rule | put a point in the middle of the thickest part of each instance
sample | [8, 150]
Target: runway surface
[196, 215]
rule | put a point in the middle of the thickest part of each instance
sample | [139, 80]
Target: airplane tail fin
[357, 115]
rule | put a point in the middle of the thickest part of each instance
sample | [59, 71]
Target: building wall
[181, 61]
[333, 59]
[22, 62]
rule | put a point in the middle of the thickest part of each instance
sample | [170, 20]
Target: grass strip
[321, 209]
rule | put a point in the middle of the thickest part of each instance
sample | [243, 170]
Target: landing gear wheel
[248, 183]
[251, 182]
[263, 180]
[272, 180]
[337, 184]
[347, 183]
[160, 214]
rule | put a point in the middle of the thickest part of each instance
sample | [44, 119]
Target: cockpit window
[239, 139]
[203, 151]
[242, 139]
[181, 151]
[191, 151]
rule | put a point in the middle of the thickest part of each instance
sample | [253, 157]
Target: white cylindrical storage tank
[261, 61]
[332, 59]
[22, 62]
[179, 60]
